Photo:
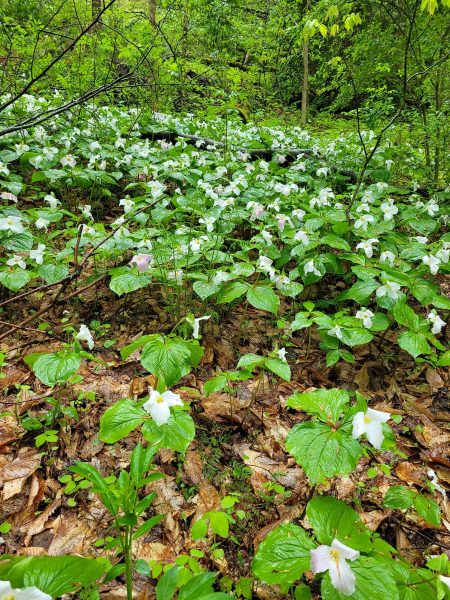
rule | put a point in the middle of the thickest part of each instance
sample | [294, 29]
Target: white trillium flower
[299, 214]
[364, 221]
[370, 424]
[128, 205]
[68, 161]
[38, 254]
[421, 239]
[209, 222]
[432, 208]
[158, 405]
[390, 288]
[29, 593]
[387, 257]
[366, 317]
[389, 210]
[435, 481]
[436, 321]
[301, 236]
[432, 262]
[86, 211]
[11, 223]
[84, 335]
[309, 267]
[52, 201]
[220, 277]
[8, 196]
[334, 560]
[267, 237]
[335, 331]
[42, 224]
[367, 246]
[264, 263]
[18, 261]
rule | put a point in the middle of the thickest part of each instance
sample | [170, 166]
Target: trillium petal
[374, 434]
[172, 399]
[378, 415]
[445, 580]
[344, 551]
[160, 412]
[342, 577]
[359, 427]
[321, 559]
[31, 593]
[5, 588]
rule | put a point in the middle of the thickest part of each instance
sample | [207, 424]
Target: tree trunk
[152, 11]
[304, 116]
[96, 7]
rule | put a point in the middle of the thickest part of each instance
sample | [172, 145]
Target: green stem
[128, 564]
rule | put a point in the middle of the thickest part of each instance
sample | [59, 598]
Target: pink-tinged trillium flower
[370, 424]
[29, 593]
[334, 560]
[84, 335]
[436, 321]
[366, 316]
[390, 288]
[158, 405]
[8, 196]
[142, 261]
[11, 223]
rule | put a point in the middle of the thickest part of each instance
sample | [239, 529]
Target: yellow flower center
[160, 399]
[335, 555]
[367, 420]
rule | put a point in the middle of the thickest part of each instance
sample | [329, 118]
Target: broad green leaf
[399, 497]
[128, 282]
[219, 523]
[230, 291]
[56, 367]
[14, 280]
[53, 575]
[373, 580]
[279, 367]
[413, 343]
[323, 451]
[250, 360]
[197, 587]
[176, 434]
[301, 321]
[119, 420]
[199, 529]
[263, 298]
[53, 273]
[284, 555]
[325, 404]
[167, 585]
[166, 358]
[406, 316]
[428, 509]
[331, 518]
[359, 292]
[205, 289]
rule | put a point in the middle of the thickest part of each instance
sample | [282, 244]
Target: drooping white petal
[344, 550]
[30, 593]
[358, 425]
[172, 399]
[342, 577]
[374, 434]
[5, 589]
[378, 415]
[321, 559]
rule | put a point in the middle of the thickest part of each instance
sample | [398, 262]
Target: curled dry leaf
[21, 467]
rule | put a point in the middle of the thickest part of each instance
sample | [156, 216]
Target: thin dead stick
[33, 329]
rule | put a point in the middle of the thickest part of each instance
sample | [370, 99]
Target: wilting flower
[264, 263]
[309, 267]
[11, 223]
[302, 236]
[158, 405]
[84, 335]
[281, 353]
[390, 288]
[196, 326]
[18, 261]
[432, 262]
[370, 424]
[434, 480]
[267, 237]
[366, 316]
[29, 593]
[42, 223]
[334, 560]
[436, 321]
[142, 261]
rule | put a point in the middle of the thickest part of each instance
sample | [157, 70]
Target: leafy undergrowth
[278, 309]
